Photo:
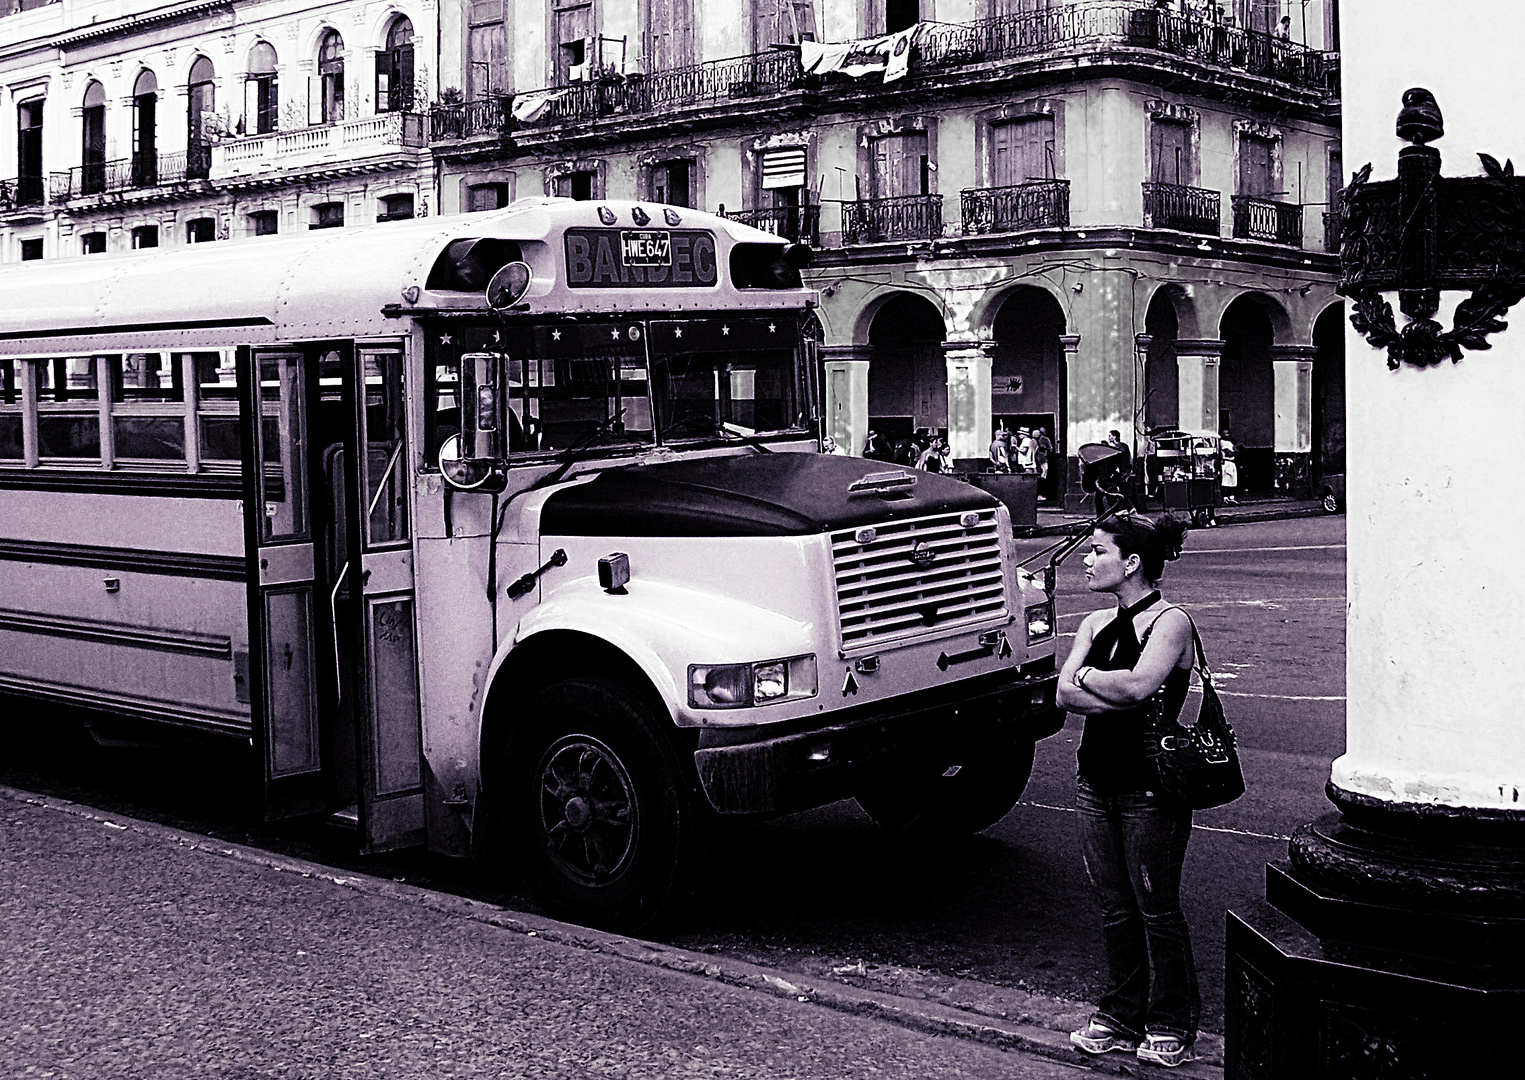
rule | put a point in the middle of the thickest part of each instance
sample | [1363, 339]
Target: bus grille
[884, 595]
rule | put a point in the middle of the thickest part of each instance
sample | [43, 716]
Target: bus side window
[216, 384]
[11, 447]
[443, 416]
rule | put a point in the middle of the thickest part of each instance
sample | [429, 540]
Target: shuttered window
[900, 166]
[1255, 169]
[670, 34]
[1021, 150]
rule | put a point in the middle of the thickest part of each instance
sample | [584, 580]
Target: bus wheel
[597, 815]
[981, 793]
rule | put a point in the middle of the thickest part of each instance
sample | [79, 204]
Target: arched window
[261, 99]
[145, 153]
[93, 149]
[201, 107]
[330, 104]
[394, 69]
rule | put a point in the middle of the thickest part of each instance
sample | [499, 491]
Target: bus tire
[598, 818]
[982, 793]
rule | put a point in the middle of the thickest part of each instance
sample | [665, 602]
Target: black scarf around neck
[1116, 645]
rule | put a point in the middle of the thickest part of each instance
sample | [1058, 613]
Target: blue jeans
[1133, 849]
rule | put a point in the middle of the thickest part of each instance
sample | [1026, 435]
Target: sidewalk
[1053, 521]
[131, 949]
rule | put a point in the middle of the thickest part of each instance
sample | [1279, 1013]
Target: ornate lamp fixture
[1422, 233]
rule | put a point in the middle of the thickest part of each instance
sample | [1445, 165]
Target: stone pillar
[1197, 362]
[1075, 500]
[968, 397]
[1391, 941]
[845, 389]
[1292, 366]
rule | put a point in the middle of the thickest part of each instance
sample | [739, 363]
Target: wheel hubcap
[587, 810]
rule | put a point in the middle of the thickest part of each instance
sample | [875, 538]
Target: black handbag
[1196, 767]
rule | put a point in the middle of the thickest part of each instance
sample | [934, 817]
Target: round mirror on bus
[467, 474]
[508, 285]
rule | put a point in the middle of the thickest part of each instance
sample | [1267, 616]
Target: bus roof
[340, 283]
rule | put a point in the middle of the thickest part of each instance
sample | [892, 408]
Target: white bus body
[635, 597]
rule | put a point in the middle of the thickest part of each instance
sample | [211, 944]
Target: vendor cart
[1190, 472]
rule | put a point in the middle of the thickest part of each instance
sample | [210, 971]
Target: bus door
[285, 626]
[386, 712]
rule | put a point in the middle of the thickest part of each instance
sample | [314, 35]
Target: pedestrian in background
[1027, 451]
[1228, 474]
[1000, 446]
[1044, 454]
[1126, 661]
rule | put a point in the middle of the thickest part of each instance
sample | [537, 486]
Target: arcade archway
[907, 377]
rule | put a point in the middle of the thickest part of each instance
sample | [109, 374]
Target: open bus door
[331, 616]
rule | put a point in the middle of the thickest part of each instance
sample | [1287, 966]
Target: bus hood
[762, 495]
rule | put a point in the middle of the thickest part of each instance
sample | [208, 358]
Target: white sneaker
[1098, 1038]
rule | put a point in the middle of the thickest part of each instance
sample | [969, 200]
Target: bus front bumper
[761, 770]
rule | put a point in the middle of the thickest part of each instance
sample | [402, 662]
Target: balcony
[463, 120]
[1266, 219]
[801, 224]
[1187, 209]
[1033, 204]
[314, 147]
[903, 217]
[942, 50]
[137, 173]
[22, 191]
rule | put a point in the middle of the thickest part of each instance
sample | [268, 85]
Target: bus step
[348, 818]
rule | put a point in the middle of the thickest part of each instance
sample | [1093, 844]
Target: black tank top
[1111, 754]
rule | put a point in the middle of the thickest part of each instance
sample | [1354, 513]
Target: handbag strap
[1203, 670]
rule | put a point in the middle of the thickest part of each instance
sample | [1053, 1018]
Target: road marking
[1204, 828]
[1237, 550]
[1275, 697]
[1271, 602]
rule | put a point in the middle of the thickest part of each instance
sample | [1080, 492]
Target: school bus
[505, 533]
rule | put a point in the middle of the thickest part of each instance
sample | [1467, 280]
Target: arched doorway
[145, 148]
[907, 377]
[331, 78]
[262, 100]
[1028, 388]
[93, 139]
[201, 103]
[1247, 392]
[1329, 394]
[394, 69]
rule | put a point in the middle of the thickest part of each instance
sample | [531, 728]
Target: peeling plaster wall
[1436, 579]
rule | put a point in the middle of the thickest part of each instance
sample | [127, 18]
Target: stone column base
[1384, 950]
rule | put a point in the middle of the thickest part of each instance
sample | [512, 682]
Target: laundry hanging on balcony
[529, 108]
[890, 54]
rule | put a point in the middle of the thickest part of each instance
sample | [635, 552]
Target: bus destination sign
[646, 258]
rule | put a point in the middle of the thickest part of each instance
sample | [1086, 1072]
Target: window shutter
[803, 14]
[314, 99]
[251, 106]
[783, 168]
[402, 73]
[383, 80]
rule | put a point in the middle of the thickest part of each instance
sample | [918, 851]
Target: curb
[917, 1014]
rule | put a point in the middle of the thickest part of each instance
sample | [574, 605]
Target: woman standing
[1133, 843]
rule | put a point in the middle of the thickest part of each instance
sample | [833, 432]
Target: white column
[1292, 436]
[846, 393]
[968, 397]
[1435, 581]
[1197, 384]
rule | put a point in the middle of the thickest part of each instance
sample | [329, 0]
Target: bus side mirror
[473, 459]
[468, 474]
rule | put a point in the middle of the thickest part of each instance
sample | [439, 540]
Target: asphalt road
[1007, 908]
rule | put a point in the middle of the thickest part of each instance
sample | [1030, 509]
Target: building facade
[142, 124]
[1068, 215]
[1079, 215]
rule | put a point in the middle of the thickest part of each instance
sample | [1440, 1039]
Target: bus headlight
[1040, 621]
[735, 686]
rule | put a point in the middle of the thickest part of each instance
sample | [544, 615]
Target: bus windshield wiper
[571, 454]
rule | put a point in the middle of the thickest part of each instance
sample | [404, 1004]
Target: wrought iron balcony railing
[1334, 220]
[1267, 219]
[1175, 206]
[1032, 204]
[22, 191]
[470, 119]
[801, 224]
[940, 50]
[902, 217]
[128, 174]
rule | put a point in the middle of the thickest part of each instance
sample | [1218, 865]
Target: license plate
[646, 248]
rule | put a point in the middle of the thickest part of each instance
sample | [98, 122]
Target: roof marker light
[639, 216]
[606, 215]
